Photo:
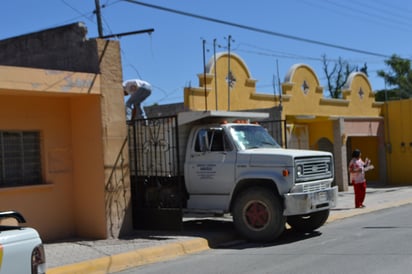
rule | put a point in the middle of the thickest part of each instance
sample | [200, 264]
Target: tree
[399, 77]
[337, 76]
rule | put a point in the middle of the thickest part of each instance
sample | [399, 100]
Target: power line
[73, 8]
[258, 50]
[269, 52]
[273, 33]
[400, 15]
[369, 12]
[405, 10]
[81, 15]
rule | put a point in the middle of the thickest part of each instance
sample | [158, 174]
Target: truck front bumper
[307, 202]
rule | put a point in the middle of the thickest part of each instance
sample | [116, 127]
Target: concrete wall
[114, 138]
[62, 48]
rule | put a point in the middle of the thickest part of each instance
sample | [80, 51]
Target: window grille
[20, 161]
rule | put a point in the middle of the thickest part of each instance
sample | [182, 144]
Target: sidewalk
[109, 256]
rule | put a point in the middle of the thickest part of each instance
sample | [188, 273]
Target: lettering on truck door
[211, 167]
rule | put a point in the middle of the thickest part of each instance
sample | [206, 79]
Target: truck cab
[225, 161]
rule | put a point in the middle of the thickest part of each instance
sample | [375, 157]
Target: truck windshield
[252, 136]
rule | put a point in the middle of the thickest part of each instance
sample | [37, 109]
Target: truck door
[211, 166]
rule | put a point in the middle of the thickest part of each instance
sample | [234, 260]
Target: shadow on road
[221, 234]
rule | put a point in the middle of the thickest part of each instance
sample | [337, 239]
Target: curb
[123, 261]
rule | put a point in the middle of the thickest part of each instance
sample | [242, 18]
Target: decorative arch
[301, 91]
[226, 85]
[291, 74]
[354, 75]
[357, 82]
[233, 56]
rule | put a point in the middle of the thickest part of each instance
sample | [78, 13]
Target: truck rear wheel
[257, 214]
[308, 222]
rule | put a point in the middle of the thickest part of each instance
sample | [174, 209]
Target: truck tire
[257, 214]
[308, 222]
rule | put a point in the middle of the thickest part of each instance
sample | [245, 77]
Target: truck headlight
[299, 170]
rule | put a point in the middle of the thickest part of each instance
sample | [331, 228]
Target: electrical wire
[81, 15]
[375, 15]
[370, 14]
[259, 30]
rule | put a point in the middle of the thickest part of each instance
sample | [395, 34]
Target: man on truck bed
[138, 90]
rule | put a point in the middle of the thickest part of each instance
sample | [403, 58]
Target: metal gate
[156, 182]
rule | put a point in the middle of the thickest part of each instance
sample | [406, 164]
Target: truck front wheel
[308, 222]
[257, 214]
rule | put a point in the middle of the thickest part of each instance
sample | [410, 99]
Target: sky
[269, 35]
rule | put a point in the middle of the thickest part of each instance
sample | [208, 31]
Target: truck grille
[315, 187]
[309, 169]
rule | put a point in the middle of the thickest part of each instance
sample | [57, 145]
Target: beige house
[63, 152]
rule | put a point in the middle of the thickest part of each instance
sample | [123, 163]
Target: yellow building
[398, 136]
[63, 152]
[312, 121]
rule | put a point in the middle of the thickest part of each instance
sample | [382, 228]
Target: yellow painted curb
[118, 262]
[359, 211]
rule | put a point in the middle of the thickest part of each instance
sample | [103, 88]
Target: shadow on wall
[118, 196]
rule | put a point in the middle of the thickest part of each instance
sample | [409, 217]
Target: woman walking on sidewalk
[357, 168]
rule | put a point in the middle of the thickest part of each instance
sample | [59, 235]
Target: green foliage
[390, 94]
[399, 77]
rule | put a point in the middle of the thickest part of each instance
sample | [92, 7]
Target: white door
[211, 167]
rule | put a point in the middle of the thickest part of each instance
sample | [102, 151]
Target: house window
[20, 162]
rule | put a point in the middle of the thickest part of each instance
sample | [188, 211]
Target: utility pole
[279, 86]
[229, 75]
[214, 57]
[204, 71]
[99, 18]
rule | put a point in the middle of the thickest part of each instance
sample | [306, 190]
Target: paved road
[377, 242]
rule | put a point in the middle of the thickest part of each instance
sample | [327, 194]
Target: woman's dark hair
[356, 153]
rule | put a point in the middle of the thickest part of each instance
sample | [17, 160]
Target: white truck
[220, 162]
[21, 249]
